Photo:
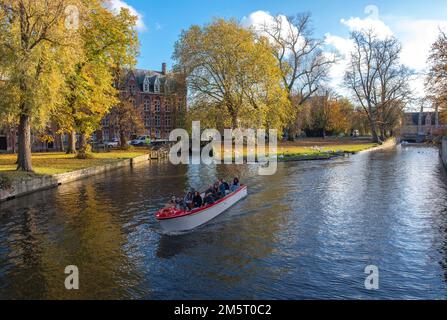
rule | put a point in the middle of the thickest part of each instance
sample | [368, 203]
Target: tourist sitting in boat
[197, 200]
[210, 189]
[180, 204]
[224, 187]
[209, 199]
[171, 203]
[188, 200]
[236, 185]
[216, 192]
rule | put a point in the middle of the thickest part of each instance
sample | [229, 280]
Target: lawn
[320, 148]
[58, 162]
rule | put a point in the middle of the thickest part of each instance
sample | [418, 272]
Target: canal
[307, 232]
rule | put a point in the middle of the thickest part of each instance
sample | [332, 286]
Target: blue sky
[164, 20]
[415, 23]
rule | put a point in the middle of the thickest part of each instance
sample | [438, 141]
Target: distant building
[160, 98]
[422, 125]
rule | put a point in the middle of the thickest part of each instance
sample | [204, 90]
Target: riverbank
[54, 169]
[443, 151]
[324, 149]
[308, 149]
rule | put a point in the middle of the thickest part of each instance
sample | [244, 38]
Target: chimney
[163, 68]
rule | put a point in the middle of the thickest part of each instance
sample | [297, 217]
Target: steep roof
[140, 75]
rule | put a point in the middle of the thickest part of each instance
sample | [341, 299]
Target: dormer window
[147, 84]
[157, 85]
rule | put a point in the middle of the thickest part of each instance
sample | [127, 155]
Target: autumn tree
[36, 50]
[126, 119]
[110, 44]
[437, 78]
[325, 113]
[303, 64]
[378, 81]
[233, 78]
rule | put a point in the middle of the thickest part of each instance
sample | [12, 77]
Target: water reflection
[306, 232]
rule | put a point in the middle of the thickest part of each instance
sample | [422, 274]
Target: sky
[415, 23]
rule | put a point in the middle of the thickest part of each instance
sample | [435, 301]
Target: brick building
[158, 95]
[422, 125]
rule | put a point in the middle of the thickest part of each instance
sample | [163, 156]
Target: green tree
[110, 44]
[233, 78]
[36, 50]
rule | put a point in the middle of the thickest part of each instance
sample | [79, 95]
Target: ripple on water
[307, 232]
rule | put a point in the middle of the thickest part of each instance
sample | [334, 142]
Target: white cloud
[259, 19]
[344, 47]
[116, 5]
[361, 25]
[415, 35]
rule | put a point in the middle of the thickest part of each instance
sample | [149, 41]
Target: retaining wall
[444, 151]
[27, 186]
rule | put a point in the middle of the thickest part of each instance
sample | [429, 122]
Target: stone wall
[444, 151]
[30, 185]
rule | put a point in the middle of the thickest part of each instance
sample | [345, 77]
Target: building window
[132, 89]
[157, 105]
[157, 120]
[157, 133]
[147, 121]
[105, 121]
[105, 135]
[168, 121]
[147, 105]
[156, 87]
[146, 87]
[168, 108]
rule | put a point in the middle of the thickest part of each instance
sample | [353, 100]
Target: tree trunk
[123, 140]
[290, 134]
[61, 142]
[382, 134]
[71, 148]
[234, 121]
[83, 147]
[373, 125]
[375, 136]
[24, 152]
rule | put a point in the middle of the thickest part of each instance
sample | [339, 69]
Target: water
[308, 232]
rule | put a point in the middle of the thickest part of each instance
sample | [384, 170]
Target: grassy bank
[316, 149]
[309, 149]
[58, 162]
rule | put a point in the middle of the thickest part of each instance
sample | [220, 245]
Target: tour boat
[176, 220]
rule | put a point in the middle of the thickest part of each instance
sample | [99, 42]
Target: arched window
[147, 105]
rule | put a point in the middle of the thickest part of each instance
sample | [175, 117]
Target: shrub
[5, 182]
